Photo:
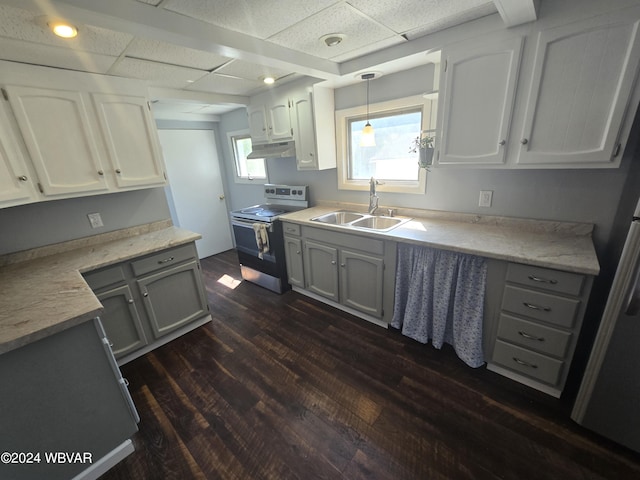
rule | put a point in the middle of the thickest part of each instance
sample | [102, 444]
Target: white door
[195, 192]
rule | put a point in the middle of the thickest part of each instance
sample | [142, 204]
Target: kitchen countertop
[42, 291]
[559, 245]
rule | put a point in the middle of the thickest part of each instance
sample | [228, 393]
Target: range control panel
[286, 192]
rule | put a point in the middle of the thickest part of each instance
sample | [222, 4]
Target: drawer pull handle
[166, 260]
[542, 280]
[523, 363]
[536, 307]
[528, 336]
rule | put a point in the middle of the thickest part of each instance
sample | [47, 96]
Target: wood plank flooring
[284, 387]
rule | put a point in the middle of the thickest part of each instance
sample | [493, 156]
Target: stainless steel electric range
[258, 235]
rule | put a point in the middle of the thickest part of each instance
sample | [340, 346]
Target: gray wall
[44, 223]
[589, 195]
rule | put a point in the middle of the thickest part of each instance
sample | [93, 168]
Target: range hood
[273, 150]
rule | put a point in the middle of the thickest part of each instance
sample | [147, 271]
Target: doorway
[195, 192]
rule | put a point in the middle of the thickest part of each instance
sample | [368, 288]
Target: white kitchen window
[396, 123]
[246, 170]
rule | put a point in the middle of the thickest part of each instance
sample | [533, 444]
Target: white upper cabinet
[131, 139]
[583, 77]
[269, 119]
[477, 102]
[16, 184]
[312, 118]
[84, 134]
[55, 127]
[304, 114]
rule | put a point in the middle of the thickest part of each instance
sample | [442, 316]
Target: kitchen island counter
[557, 245]
[42, 291]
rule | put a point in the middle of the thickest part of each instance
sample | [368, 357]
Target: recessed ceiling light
[269, 80]
[63, 29]
[332, 39]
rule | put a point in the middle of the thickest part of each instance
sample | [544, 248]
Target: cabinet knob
[166, 260]
[502, 143]
[221, 197]
[298, 252]
[342, 265]
[130, 300]
[333, 262]
[118, 170]
[145, 294]
[524, 141]
[100, 172]
[22, 178]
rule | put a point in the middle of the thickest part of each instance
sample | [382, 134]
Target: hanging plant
[424, 147]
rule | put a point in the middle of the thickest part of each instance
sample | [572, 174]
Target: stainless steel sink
[379, 223]
[338, 218]
[346, 219]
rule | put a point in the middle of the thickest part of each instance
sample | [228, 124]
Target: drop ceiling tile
[250, 71]
[372, 47]
[36, 54]
[341, 18]
[450, 21]
[257, 18]
[214, 83]
[412, 14]
[23, 25]
[147, 49]
[156, 74]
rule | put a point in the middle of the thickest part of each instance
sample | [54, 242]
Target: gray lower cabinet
[347, 269]
[65, 393]
[293, 257]
[173, 297]
[121, 320]
[538, 325]
[149, 298]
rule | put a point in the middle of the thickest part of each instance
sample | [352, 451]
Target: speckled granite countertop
[560, 245]
[42, 290]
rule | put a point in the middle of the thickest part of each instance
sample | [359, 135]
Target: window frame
[242, 134]
[343, 116]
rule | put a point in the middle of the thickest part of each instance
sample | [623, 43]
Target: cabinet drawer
[534, 336]
[104, 277]
[163, 259]
[291, 229]
[541, 306]
[546, 279]
[526, 362]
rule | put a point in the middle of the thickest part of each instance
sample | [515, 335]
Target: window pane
[390, 159]
[245, 168]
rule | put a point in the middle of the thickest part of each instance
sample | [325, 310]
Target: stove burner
[269, 212]
[254, 210]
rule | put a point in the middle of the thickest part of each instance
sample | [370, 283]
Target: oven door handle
[249, 224]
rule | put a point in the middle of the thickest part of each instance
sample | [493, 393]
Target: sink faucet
[373, 198]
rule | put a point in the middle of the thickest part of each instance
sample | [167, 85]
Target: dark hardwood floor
[284, 387]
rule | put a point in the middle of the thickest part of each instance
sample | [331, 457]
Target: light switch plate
[485, 198]
[95, 219]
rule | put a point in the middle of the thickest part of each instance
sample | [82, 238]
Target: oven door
[245, 237]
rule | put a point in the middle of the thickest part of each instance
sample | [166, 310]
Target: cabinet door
[56, 130]
[582, 80]
[361, 282]
[173, 297]
[16, 187]
[304, 131]
[258, 124]
[321, 269]
[131, 139]
[121, 321]
[477, 104]
[279, 120]
[293, 256]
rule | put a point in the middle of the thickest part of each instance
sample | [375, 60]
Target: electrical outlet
[485, 198]
[95, 220]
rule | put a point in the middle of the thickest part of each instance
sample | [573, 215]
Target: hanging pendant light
[368, 136]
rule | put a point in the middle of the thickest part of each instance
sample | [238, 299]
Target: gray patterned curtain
[440, 296]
